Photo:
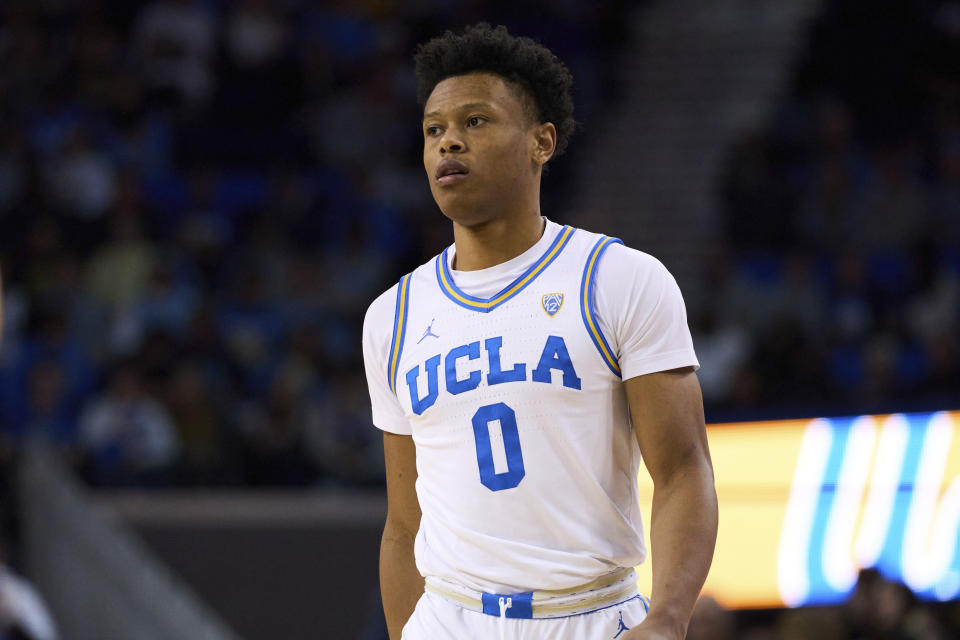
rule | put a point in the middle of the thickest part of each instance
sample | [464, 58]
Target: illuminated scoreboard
[805, 504]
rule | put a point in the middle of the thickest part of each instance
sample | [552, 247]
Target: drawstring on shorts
[505, 603]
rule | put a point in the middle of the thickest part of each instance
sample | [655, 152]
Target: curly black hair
[526, 64]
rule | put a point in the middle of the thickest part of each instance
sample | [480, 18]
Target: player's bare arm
[401, 585]
[667, 413]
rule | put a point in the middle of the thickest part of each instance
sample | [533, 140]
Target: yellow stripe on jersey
[588, 314]
[399, 329]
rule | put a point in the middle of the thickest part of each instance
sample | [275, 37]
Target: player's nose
[451, 142]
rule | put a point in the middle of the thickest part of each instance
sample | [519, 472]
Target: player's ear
[545, 142]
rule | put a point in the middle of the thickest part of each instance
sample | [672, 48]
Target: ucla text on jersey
[554, 356]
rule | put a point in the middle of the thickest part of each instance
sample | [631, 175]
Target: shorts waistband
[605, 591]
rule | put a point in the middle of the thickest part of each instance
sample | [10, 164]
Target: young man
[519, 376]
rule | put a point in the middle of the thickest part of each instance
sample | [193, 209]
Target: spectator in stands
[82, 180]
[119, 270]
[52, 343]
[199, 417]
[811, 624]
[893, 209]
[126, 436]
[255, 34]
[176, 42]
[273, 434]
[945, 194]
[880, 609]
[48, 416]
[723, 349]
[760, 632]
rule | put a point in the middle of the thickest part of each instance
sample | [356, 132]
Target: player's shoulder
[637, 260]
[381, 312]
[614, 253]
[385, 300]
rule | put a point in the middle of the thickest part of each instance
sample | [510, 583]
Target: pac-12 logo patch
[551, 303]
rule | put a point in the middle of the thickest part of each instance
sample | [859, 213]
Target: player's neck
[496, 241]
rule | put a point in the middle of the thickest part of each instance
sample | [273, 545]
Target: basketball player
[519, 376]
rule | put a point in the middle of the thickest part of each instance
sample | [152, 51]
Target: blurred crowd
[199, 199]
[837, 288]
[876, 610]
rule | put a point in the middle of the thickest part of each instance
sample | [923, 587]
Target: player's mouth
[451, 171]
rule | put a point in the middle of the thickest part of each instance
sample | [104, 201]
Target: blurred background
[199, 199]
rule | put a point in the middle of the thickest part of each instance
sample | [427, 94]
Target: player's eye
[474, 121]
[432, 130]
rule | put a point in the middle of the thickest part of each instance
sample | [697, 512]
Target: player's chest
[534, 344]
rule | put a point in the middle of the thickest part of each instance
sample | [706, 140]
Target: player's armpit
[667, 413]
[400, 583]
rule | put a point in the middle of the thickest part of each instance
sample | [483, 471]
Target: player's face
[479, 148]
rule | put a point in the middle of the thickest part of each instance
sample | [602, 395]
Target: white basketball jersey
[526, 458]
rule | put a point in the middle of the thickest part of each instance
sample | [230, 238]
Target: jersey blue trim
[587, 296]
[400, 315]
[486, 305]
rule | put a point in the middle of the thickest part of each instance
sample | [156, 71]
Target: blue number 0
[511, 445]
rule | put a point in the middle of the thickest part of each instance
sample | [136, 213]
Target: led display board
[805, 504]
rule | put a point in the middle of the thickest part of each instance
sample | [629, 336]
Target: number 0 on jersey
[511, 446]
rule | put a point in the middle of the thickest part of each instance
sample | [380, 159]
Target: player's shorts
[602, 610]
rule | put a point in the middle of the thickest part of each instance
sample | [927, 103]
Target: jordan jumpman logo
[622, 628]
[428, 332]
